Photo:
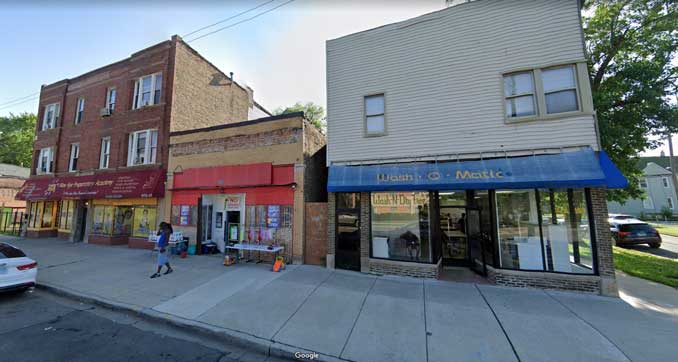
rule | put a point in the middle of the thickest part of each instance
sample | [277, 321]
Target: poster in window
[220, 220]
[233, 232]
[98, 225]
[184, 215]
[144, 221]
[47, 214]
[273, 216]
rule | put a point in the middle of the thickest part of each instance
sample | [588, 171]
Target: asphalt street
[668, 249]
[37, 326]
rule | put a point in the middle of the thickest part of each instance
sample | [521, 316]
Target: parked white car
[17, 271]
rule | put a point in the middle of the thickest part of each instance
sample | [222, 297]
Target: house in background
[660, 193]
[12, 177]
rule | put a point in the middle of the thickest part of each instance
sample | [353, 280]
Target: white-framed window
[111, 94]
[648, 203]
[105, 153]
[560, 89]
[643, 183]
[45, 161]
[147, 90]
[142, 148]
[375, 115]
[73, 160]
[519, 95]
[51, 116]
[665, 181]
[670, 202]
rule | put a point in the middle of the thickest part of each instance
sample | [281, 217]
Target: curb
[244, 340]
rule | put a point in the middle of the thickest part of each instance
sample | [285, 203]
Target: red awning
[118, 185]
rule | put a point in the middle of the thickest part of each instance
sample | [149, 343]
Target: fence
[11, 221]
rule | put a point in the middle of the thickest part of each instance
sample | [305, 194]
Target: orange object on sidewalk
[279, 264]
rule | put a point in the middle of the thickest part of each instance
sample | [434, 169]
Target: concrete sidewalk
[358, 317]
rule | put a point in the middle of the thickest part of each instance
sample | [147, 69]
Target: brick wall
[203, 95]
[315, 155]
[521, 279]
[93, 86]
[365, 232]
[407, 269]
[604, 242]
[280, 136]
[331, 228]
[315, 246]
[8, 190]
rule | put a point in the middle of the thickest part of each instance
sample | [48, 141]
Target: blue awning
[584, 168]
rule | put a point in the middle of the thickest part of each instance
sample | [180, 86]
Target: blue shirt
[162, 240]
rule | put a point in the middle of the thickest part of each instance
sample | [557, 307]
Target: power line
[18, 99]
[227, 19]
[16, 104]
[241, 21]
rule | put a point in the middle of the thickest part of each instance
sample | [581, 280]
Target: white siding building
[467, 137]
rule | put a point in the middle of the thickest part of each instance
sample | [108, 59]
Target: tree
[16, 139]
[313, 112]
[631, 47]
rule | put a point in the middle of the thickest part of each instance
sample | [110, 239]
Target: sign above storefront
[137, 184]
[584, 168]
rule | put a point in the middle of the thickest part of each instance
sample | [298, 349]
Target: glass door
[475, 240]
[453, 227]
[347, 253]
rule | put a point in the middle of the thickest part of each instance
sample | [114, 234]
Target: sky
[280, 54]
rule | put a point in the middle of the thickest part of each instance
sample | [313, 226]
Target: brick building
[101, 146]
[247, 182]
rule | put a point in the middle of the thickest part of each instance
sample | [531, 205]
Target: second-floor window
[643, 183]
[665, 181]
[111, 93]
[541, 92]
[73, 160]
[375, 121]
[51, 116]
[147, 90]
[142, 148]
[45, 161]
[105, 154]
[519, 93]
[560, 89]
[79, 110]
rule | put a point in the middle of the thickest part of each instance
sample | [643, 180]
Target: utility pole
[672, 165]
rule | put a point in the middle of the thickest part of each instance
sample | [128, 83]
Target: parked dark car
[634, 232]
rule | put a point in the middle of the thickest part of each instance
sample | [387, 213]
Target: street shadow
[659, 251]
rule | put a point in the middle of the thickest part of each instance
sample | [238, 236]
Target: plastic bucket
[191, 250]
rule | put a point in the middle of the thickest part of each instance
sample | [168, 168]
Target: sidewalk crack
[589, 324]
[300, 305]
[499, 321]
[362, 305]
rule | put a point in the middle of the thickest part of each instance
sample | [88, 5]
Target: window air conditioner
[105, 112]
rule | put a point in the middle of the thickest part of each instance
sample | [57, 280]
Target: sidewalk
[357, 317]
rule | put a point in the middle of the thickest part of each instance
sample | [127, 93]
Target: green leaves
[313, 112]
[631, 48]
[16, 139]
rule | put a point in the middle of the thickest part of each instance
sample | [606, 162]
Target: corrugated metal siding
[442, 75]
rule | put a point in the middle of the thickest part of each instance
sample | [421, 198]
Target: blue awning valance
[584, 168]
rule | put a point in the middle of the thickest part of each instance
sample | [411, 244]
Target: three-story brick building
[101, 145]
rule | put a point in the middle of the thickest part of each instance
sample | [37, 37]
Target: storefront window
[66, 212]
[47, 215]
[144, 221]
[566, 231]
[184, 215]
[518, 228]
[452, 198]
[122, 223]
[482, 202]
[400, 226]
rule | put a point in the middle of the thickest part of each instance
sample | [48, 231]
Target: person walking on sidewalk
[163, 241]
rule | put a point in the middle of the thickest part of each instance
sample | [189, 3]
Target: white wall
[442, 75]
